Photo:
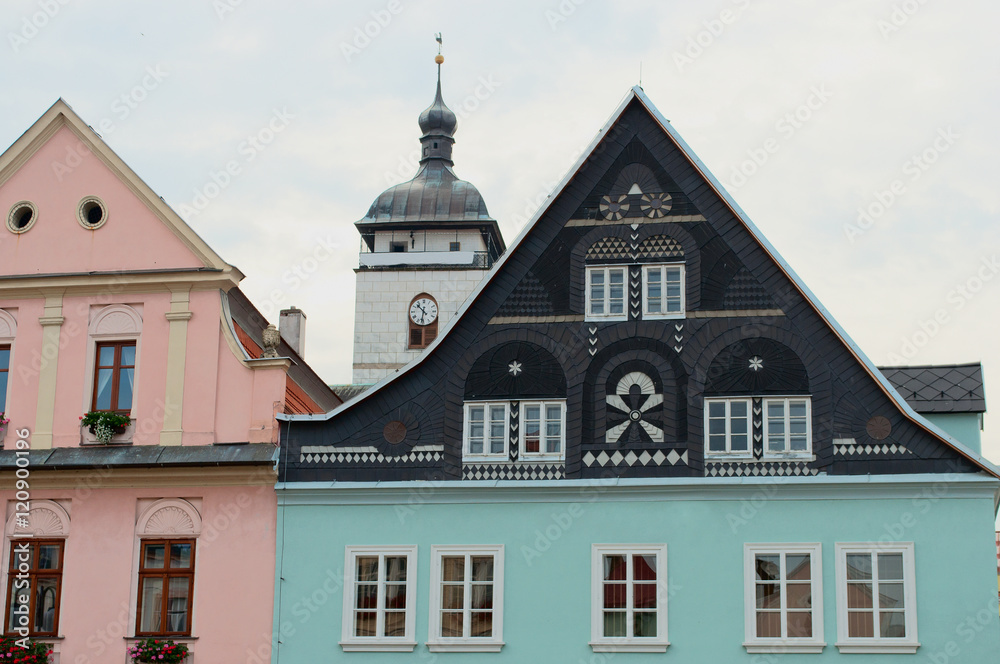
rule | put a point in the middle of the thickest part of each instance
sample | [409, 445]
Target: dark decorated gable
[637, 328]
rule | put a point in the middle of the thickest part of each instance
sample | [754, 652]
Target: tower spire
[437, 122]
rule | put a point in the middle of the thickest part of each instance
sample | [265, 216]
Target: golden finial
[438, 58]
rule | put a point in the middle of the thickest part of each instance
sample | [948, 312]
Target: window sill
[541, 458]
[590, 318]
[754, 647]
[871, 647]
[376, 646]
[481, 458]
[801, 456]
[124, 438]
[465, 646]
[677, 316]
[629, 646]
[726, 456]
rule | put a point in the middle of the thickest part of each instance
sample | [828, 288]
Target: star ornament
[756, 364]
[514, 368]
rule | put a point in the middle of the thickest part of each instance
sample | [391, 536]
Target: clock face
[423, 311]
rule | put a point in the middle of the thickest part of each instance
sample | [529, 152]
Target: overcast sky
[806, 112]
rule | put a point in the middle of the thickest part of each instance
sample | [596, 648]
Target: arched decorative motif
[46, 518]
[619, 250]
[636, 178]
[658, 247]
[8, 325]
[608, 249]
[116, 320]
[169, 517]
[757, 366]
[630, 406]
[516, 370]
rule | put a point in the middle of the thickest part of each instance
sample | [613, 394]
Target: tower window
[397, 247]
[454, 246]
[435, 145]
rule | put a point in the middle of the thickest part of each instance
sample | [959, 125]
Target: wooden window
[466, 612]
[166, 588]
[114, 377]
[4, 373]
[33, 598]
[379, 609]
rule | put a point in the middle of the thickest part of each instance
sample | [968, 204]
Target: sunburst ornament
[614, 208]
[634, 396]
[514, 368]
[655, 206]
[756, 364]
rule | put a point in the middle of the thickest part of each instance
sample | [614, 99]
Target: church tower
[425, 246]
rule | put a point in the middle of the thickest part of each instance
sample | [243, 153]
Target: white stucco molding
[116, 321]
[8, 326]
[169, 518]
[46, 519]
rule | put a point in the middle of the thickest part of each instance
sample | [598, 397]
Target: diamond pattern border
[858, 450]
[758, 469]
[513, 471]
[368, 455]
[630, 458]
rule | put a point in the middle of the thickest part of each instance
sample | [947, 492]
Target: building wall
[548, 533]
[382, 310]
[471, 240]
[232, 602]
[965, 427]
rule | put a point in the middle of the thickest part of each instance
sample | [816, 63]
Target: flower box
[122, 435]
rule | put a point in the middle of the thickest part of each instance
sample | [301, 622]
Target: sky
[859, 135]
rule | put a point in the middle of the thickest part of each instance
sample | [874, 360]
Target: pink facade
[96, 269]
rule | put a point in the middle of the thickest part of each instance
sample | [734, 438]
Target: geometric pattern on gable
[608, 248]
[660, 246]
[635, 165]
[757, 366]
[516, 370]
[745, 292]
[529, 298]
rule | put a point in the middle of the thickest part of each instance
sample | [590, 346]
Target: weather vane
[438, 58]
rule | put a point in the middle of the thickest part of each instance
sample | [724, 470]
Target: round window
[91, 213]
[22, 217]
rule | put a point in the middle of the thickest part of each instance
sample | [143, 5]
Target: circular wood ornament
[394, 432]
[879, 427]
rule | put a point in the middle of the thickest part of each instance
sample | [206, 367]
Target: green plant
[4, 421]
[158, 650]
[105, 424]
[12, 653]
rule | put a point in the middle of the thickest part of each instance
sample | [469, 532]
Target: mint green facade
[548, 530]
[966, 427]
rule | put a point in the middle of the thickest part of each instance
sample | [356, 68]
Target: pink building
[110, 303]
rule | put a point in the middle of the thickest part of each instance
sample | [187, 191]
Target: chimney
[292, 326]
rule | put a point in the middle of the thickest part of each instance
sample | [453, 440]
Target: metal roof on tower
[435, 197]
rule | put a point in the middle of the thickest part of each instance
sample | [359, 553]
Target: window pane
[15, 607]
[797, 408]
[716, 426]
[614, 568]
[776, 409]
[453, 568]
[533, 412]
[482, 568]
[768, 567]
[797, 567]
[768, 596]
[395, 596]
[859, 595]
[151, 604]
[890, 595]
[4, 359]
[738, 425]
[798, 595]
[103, 401]
[717, 443]
[644, 596]
[128, 356]
[859, 566]
[739, 443]
[482, 624]
[769, 624]
[106, 356]
[364, 623]
[716, 409]
[177, 604]
[180, 555]
[366, 596]
[861, 624]
[48, 556]
[395, 568]
[890, 567]
[126, 378]
[644, 624]
[451, 624]
[453, 596]
[799, 624]
[644, 568]
[395, 623]
[892, 624]
[155, 554]
[737, 408]
[482, 596]
[46, 590]
[614, 623]
[614, 595]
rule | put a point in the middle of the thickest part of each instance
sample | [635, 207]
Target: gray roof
[145, 456]
[942, 388]
[434, 194]
[348, 392]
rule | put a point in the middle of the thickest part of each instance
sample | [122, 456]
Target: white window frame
[728, 452]
[405, 643]
[542, 455]
[590, 270]
[877, 644]
[494, 643]
[601, 643]
[755, 644]
[485, 455]
[662, 315]
[787, 453]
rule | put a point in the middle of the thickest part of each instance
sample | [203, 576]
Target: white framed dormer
[380, 584]
[485, 430]
[663, 291]
[876, 597]
[542, 430]
[728, 428]
[629, 592]
[606, 293]
[176, 523]
[787, 423]
[466, 598]
[783, 598]
[110, 324]
[43, 543]
[8, 332]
